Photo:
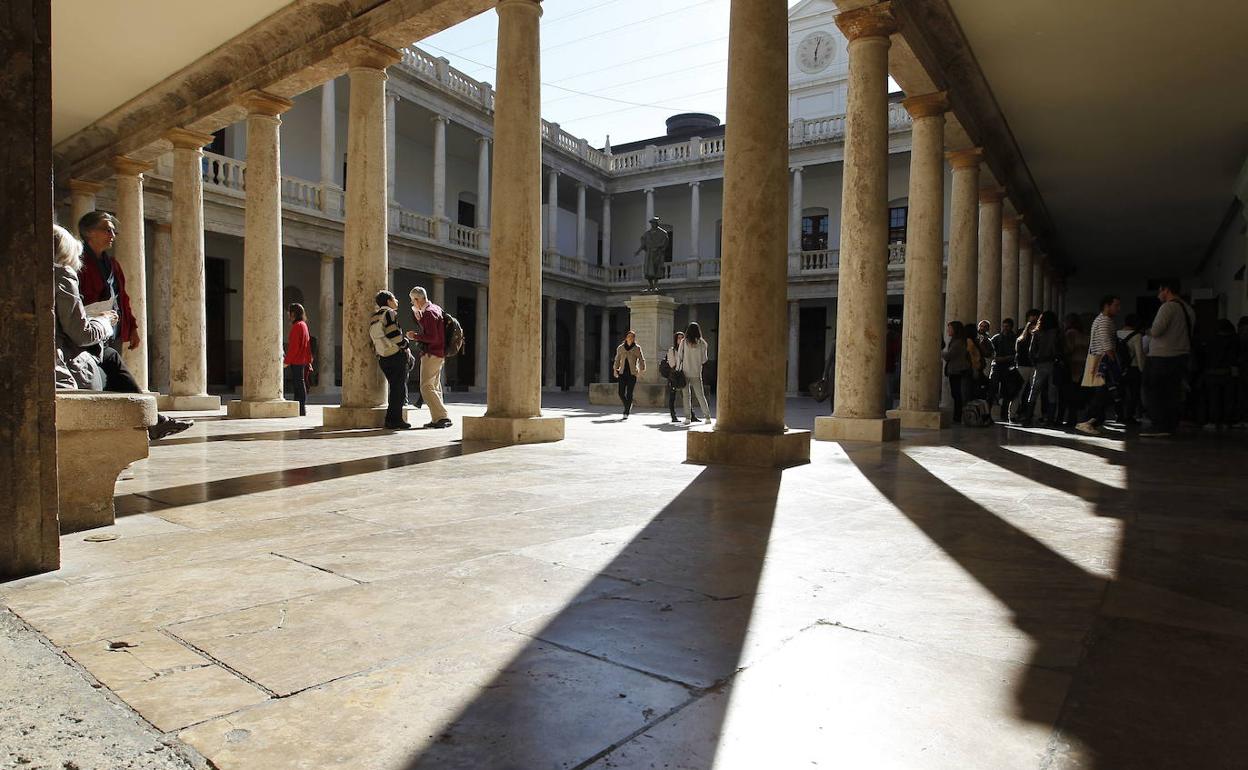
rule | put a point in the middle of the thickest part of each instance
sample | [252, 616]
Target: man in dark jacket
[102, 278]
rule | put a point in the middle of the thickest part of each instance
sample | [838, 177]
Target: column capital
[797, 169]
[872, 21]
[580, 185]
[968, 158]
[554, 172]
[606, 198]
[927, 105]
[648, 190]
[1009, 222]
[695, 184]
[83, 187]
[991, 194]
[367, 53]
[330, 258]
[258, 102]
[529, 5]
[484, 140]
[186, 139]
[124, 166]
[440, 119]
[162, 227]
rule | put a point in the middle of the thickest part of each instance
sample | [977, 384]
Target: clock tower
[818, 61]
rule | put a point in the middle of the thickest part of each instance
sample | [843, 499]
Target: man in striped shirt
[1102, 346]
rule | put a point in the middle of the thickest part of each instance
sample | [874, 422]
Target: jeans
[694, 388]
[431, 386]
[1163, 380]
[299, 382]
[628, 381]
[1043, 388]
[395, 368]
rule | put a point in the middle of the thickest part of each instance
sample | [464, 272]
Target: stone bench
[98, 435]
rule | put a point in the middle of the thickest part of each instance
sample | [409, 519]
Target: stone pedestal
[358, 416]
[260, 410]
[765, 450]
[190, 403]
[513, 430]
[653, 318]
[857, 428]
[98, 435]
[922, 419]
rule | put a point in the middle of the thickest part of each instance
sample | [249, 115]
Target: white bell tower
[818, 61]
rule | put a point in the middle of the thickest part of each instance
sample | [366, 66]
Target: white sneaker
[1088, 427]
[685, 421]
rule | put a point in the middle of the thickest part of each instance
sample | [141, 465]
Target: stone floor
[283, 597]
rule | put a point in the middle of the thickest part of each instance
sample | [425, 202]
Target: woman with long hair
[692, 355]
[298, 358]
[630, 362]
[957, 366]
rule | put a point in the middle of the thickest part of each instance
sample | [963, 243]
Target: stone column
[130, 252]
[649, 206]
[604, 346]
[262, 264]
[81, 201]
[695, 220]
[1009, 269]
[392, 138]
[327, 310]
[606, 230]
[188, 357]
[1037, 281]
[158, 313]
[552, 211]
[580, 221]
[862, 293]
[550, 342]
[795, 322]
[988, 305]
[364, 240]
[795, 212]
[1024, 279]
[514, 399]
[439, 178]
[750, 428]
[329, 117]
[960, 296]
[578, 348]
[438, 291]
[483, 191]
[479, 347]
[922, 329]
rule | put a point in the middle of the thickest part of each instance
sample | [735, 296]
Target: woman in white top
[691, 355]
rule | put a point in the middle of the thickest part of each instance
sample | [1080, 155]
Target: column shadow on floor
[277, 435]
[675, 618]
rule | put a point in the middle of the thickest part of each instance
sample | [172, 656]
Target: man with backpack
[432, 335]
[1131, 357]
[1169, 348]
[393, 356]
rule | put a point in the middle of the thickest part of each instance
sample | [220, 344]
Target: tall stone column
[327, 310]
[552, 210]
[514, 399]
[1009, 269]
[130, 252]
[550, 342]
[580, 221]
[861, 296]
[188, 358]
[438, 289]
[578, 348]
[364, 240]
[960, 296]
[750, 428]
[604, 346]
[329, 140]
[989, 303]
[483, 192]
[606, 231]
[922, 327]
[795, 212]
[262, 264]
[695, 220]
[158, 313]
[795, 322]
[1024, 279]
[1037, 281]
[649, 191]
[392, 139]
[81, 201]
[439, 178]
[479, 346]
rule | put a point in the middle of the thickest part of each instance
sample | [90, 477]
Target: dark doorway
[216, 304]
[812, 338]
[467, 216]
[466, 361]
[563, 356]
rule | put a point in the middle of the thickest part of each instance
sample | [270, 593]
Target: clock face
[815, 52]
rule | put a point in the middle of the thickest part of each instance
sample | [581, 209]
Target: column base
[358, 416]
[644, 394]
[261, 410]
[513, 430]
[857, 428]
[203, 403]
[763, 450]
[922, 419]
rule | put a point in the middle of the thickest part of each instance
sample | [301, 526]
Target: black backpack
[454, 335]
[1123, 350]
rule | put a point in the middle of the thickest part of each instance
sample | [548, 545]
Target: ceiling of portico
[1130, 116]
[105, 52]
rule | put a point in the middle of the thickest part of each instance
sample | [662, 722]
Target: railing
[417, 224]
[576, 147]
[297, 192]
[223, 173]
[822, 261]
[467, 237]
[439, 71]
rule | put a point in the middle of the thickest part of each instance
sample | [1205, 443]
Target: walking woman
[957, 358]
[629, 363]
[691, 355]
[299, 354]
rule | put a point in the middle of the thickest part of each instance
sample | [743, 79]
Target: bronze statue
[654, 244]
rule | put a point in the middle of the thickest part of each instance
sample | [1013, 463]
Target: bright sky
[618, 67]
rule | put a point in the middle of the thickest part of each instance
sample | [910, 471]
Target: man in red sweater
[432, 336]
[101, 277]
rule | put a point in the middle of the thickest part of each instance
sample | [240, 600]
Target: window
[897, 217]
[815, 229]
[466, 214]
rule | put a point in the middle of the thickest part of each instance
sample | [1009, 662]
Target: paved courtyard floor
[280, 596]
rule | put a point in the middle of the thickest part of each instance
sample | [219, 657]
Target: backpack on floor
[454, 335]
[977, 414]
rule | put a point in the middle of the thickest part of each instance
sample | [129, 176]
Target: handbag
[665, 369]
[820, 390]
[678, 379]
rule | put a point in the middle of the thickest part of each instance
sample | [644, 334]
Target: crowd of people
[1059, 375]
[681, 371]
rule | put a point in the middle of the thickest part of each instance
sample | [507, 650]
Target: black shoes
[398, 426]
[166, 427]
[445, 422]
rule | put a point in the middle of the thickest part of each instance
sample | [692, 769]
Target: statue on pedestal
[654, 243]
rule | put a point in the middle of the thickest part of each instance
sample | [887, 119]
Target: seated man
[83, 360]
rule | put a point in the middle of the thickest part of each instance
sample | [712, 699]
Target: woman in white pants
[692, 355]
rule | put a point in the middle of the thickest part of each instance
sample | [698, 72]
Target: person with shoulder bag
[669, 371]
[692, 355]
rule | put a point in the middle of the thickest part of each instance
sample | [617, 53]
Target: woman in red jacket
[299, 354]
